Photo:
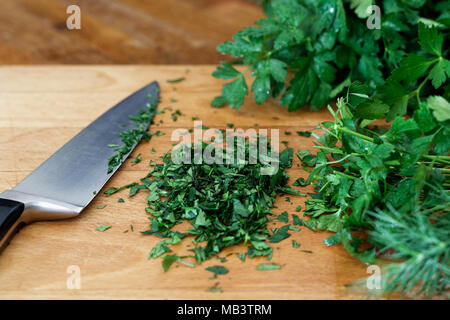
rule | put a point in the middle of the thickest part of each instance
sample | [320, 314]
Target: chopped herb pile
[226, 204]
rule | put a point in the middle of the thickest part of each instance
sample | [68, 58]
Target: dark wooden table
[121, 31]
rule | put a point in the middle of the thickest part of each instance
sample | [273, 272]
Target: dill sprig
[420, 243]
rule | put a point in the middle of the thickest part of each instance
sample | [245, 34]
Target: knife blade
[68, 181]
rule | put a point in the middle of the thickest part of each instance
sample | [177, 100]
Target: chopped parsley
[176, 80]
[270, 266]
[103, 228]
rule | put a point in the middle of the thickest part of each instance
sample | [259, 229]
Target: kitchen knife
[66, 183]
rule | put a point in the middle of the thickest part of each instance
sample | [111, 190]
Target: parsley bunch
[379, 189]
[323, 46]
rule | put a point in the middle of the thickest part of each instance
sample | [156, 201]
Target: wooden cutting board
[42, 107]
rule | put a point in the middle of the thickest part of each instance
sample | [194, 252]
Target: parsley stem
[356, 134]
[332, 150]
[340, 160]
[344, 175]
[417, 91]
[440, 159]
[445, 158]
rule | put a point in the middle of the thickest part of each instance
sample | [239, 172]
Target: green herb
[173, 100]
[295, 244]
[217, 270]
[168, 260]
[420, 243]
[304, 133]
[222, 259]
[176, 80]
[230, 125]
[138, 159]
[280, 234]
[159, 133]
[296, 220]
[113, 190]
[175, 115]
[218, 102]
[103, 206]
[307, 251]
[153, 151]
[162, 247]
[300, 182]
[121, 200]
[214, 288]
[310, 224]
[132, 137]
[242, 256]
[226, 204]
[283, 217]
[326, 45]
[389, 183]
[271, 266]
[103, 228]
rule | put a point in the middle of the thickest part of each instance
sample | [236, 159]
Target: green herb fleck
[283, 217]
[304, 133]
[176, 80]
[217, 270]
[214, 288]
[270, 266]
[103, 228]
[138, 159]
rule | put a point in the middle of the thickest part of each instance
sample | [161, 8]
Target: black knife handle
[10, 212]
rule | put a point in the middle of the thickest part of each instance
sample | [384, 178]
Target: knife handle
[10, 212]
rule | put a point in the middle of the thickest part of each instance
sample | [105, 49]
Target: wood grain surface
[42, 107]
[121, 31]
